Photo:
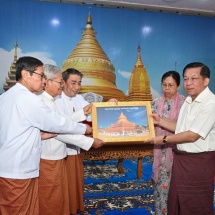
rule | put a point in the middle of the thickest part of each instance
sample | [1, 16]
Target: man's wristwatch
[164, 139]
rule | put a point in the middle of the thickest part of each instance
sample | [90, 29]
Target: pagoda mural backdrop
[99, 73]
[120, 52]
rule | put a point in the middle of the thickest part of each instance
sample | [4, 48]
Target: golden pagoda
[12, 73]
[99, 73]
[121, 125]
[139, 84]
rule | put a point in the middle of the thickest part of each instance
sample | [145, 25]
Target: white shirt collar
[47, 95]
[200, 98]
[66, 97]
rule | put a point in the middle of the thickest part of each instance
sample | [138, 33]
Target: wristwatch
[164, 139]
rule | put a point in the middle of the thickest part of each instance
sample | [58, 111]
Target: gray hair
[50, 71]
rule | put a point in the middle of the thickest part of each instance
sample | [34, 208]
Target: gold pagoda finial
[89, 19]
[15, 52]
[139, 62]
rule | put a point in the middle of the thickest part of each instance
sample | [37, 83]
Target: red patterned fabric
[75, 172]
[19, 196]
[87, 122]
[53, 188]
[192, 186]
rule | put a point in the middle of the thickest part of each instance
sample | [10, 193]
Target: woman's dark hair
[175, 75]
[205, 71]
[26, 63]
[70, 71]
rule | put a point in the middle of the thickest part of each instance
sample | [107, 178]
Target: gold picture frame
[124, 122]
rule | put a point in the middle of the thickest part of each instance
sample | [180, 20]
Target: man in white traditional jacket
[23, 115]
[53, 185]
[69, 103]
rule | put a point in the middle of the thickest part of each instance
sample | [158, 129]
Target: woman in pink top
[167, 106]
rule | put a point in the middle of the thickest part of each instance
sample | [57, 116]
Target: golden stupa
[99, 73]
[139, 84]
[12, 73]
[121, 125]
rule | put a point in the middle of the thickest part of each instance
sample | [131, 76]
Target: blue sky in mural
[109, 115]
[50, 31]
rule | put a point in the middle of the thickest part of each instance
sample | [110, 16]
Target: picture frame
[124, 122]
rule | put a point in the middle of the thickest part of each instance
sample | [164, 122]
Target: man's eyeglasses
[190, 79]
[167, 85]
[59, 82]
[41, 75]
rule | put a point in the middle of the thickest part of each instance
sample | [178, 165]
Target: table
[121, 151]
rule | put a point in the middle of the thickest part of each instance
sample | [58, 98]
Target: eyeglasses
[59, 82]
[41, 75]
[190, 79]
[167, 85]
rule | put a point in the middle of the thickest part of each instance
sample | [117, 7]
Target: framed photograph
[124, 122]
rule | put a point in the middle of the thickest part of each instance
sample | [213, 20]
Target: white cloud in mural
[124, 74]
[154, 93]
[7, 59]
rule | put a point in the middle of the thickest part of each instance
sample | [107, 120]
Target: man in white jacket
[22, 117]
[69, 103]
[53, 185]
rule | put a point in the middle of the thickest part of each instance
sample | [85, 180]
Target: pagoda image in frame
[121, 126]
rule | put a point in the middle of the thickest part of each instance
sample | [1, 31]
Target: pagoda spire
[139, 84]
[89, 19]
[15, 52]
[139, 62]
[11, 80]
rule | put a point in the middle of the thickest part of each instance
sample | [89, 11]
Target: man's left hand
[156, 140]
[113, 100]
[47, 135]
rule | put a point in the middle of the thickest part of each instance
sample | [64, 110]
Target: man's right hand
[88, 109]
[97, 143]
[89, 130]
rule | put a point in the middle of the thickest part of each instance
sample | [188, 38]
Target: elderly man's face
[194, 83]
[36, 81]
[54, 87]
